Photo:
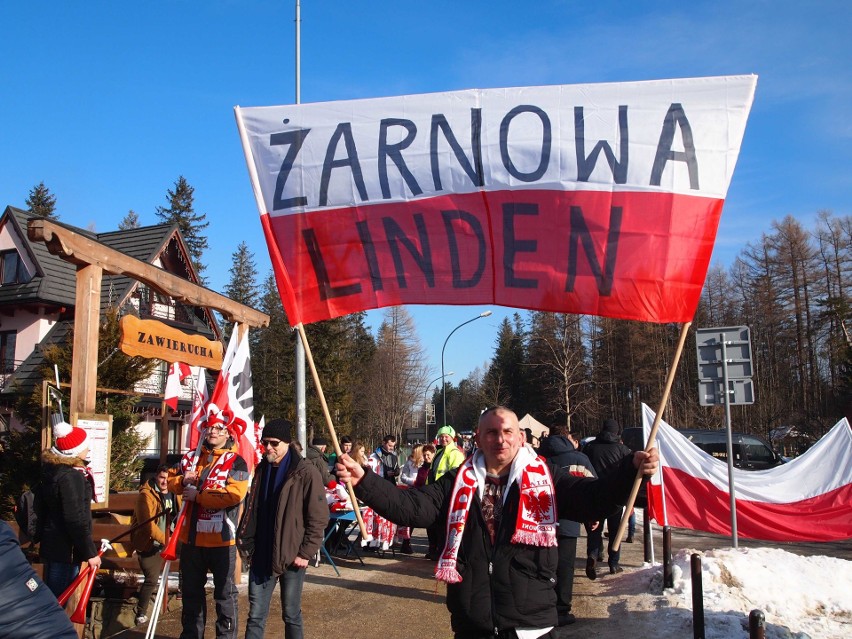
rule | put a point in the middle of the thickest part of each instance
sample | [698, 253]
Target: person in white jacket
[407, 477]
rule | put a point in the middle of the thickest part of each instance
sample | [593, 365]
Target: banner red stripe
[697, 504]
[630, 255]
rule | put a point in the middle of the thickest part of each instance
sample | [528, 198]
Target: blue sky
[109, 102]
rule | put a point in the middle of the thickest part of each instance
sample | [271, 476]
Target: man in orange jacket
[213, 487]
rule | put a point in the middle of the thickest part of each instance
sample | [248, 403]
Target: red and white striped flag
[807, 499]
[177, 373]
[232, 402]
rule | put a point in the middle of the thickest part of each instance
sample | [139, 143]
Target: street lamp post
[443, 348]
[429, 385]
[426, 401]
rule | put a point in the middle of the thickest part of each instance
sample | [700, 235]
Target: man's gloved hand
[190, 492]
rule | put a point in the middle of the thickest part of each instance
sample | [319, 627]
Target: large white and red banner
[807, 499]
[600, 199]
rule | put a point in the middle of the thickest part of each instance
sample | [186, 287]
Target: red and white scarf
[211, 520]
[536, 522]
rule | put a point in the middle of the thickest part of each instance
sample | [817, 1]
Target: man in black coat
[559, 450]
[499, 558]
[606, 453]
[67, 491]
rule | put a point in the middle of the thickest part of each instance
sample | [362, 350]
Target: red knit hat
[70, 440]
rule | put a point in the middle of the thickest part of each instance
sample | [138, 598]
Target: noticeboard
[99, 429]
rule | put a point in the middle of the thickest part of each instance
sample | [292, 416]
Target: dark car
[750, 451]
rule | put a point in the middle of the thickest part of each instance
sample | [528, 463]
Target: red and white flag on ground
[198, 420]
[807, 499]
[599, 199]
[232, 401]
[177, 373]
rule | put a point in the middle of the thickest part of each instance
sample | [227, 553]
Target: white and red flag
[178, 372]
[807, 499]
[232, 401]
[198, 419]
[598, 199]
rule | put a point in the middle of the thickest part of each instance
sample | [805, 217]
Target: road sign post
[724, 377]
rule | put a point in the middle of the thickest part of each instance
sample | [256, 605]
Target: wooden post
[315, 375]
[84, 362]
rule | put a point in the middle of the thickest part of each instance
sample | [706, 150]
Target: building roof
[55, 281]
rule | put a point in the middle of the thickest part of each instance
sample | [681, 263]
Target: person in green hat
[448, 457]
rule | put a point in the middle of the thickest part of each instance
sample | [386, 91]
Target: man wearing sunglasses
[281, 529]
[213, 487]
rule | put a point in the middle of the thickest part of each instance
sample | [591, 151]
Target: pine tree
[242, 287]
[180, 211]
[272, 359]
[130, 221]
[504, 381]
[42, 202]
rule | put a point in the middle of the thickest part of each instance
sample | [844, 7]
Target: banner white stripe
[826, 466]
[675, 136]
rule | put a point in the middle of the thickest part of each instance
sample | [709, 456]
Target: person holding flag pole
[214, 481]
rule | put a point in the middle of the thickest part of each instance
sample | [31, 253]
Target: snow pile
[801, 597]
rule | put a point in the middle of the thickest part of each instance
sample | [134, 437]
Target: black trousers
[565, 574]
[195, 562]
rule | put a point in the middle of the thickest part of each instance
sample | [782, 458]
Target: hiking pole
[66, 594]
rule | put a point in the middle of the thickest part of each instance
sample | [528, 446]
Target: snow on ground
[801, 597]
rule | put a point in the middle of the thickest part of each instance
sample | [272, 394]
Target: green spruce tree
[130, 221]
[242, 286]
[181, 211]
[42, 202]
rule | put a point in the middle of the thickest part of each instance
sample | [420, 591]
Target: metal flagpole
[301, 406]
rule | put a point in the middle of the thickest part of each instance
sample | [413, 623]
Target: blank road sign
[710, 393]
[737, 352]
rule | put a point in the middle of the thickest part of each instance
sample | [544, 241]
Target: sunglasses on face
[218, 429]
[275, 443]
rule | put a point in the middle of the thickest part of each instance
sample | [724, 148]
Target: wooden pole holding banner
[664, 400]
[310, 358]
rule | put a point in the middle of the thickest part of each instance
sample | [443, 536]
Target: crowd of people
[501, 516]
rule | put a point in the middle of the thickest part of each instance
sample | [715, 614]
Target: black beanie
[278, 429]
[319, 441]
[610, 426]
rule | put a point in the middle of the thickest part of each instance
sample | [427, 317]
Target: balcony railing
[156, 385]
[170, 310]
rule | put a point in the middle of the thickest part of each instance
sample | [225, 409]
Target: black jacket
[318, 459]
[67, 511]
[390, 462]
[606, 451]
[558, 450]
[30, 610]
[504, 585]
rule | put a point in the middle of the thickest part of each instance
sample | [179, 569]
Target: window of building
[12, 269]
[7, 352]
